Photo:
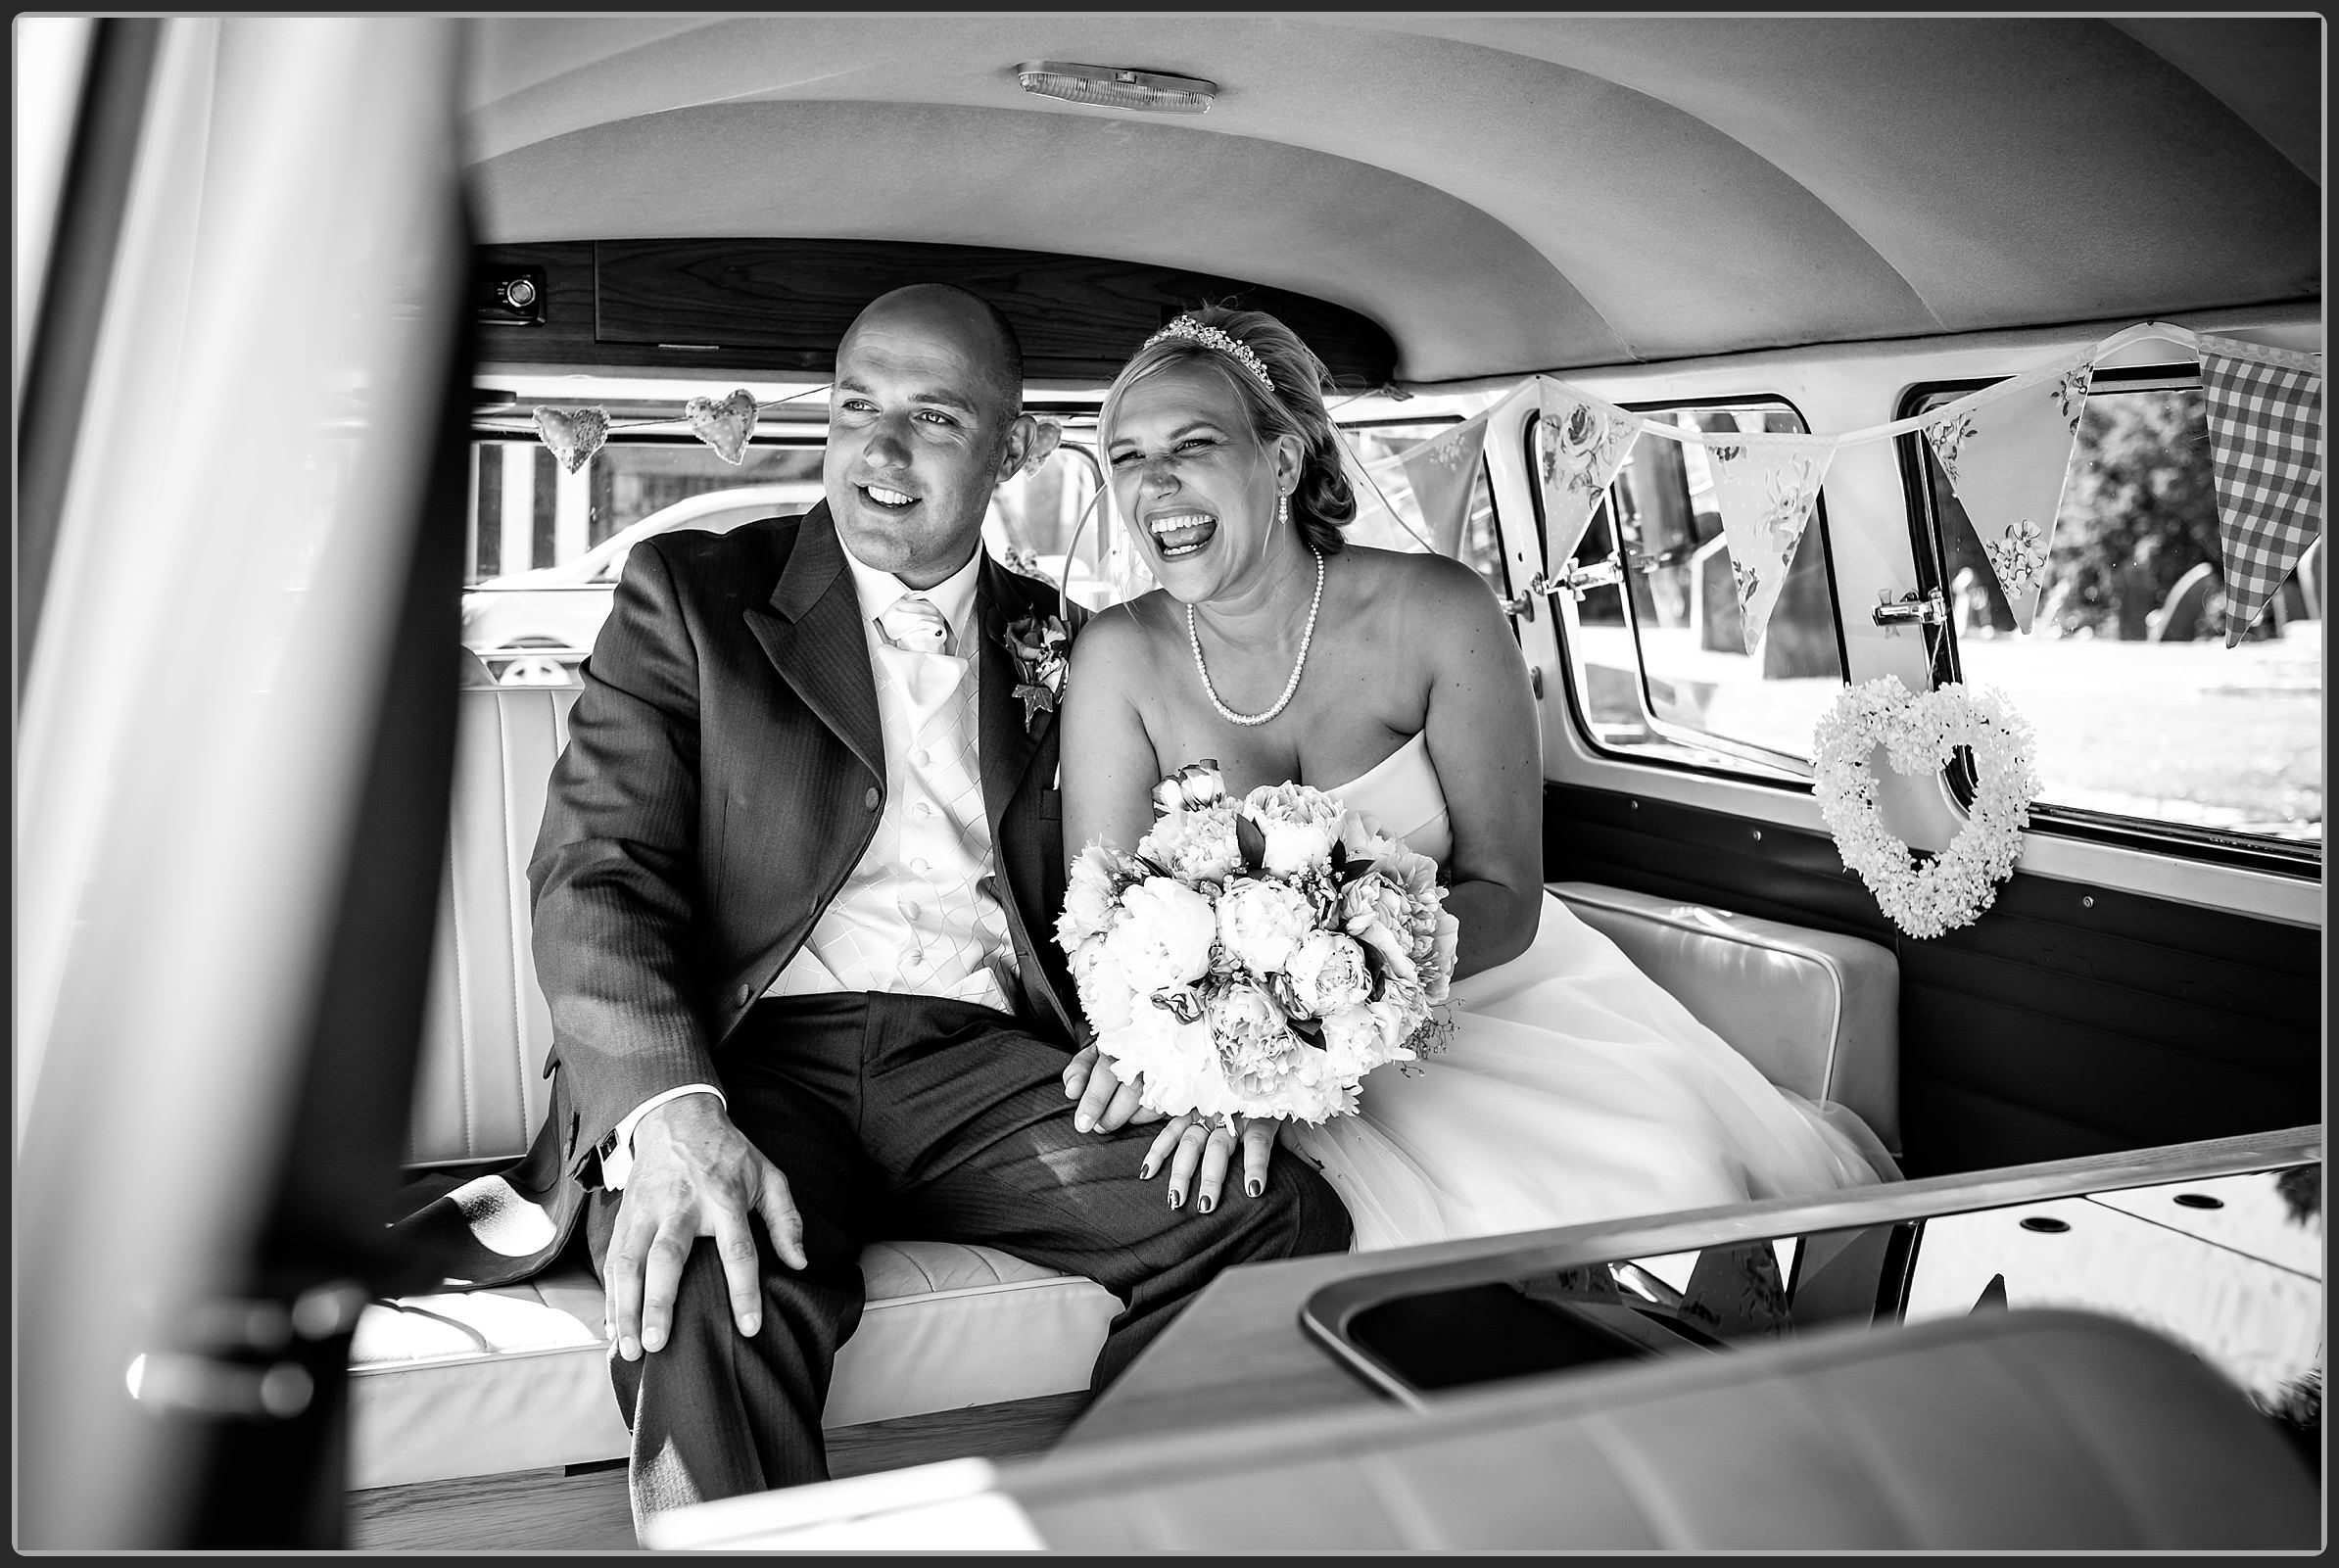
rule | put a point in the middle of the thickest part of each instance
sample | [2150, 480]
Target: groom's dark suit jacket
[723, 776]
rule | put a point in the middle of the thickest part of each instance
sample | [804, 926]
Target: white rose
[1260, 923]
[1299, 826]
[1327, 973]
[1165, 936]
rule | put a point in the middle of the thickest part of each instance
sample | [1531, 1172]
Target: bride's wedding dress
[1573, 1088]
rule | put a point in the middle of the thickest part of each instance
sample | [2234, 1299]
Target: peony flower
[1196, 845]
[1091, 895]
[1165, 936]
[1260, 922]
[1437, 966]
[1255, 1042]
[1326, 972]
[1361, 836]
[1190, 788]
[1376, 913]
[1105, 996]
[1300, 824]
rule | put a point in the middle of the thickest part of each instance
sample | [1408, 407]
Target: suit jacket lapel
[812, 633]
[1007, 742]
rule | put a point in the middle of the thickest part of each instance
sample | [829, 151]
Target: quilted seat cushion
[480, 1382]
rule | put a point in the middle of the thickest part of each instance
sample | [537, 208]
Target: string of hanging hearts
[574, 435]
[2005, 448]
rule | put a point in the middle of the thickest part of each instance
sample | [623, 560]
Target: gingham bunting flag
[2266, 455]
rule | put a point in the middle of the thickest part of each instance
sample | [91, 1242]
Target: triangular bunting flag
[2266, 455]
[1580, 443]
[1764, 485]
[2007, 454]
[573, 434]
[1441, 471]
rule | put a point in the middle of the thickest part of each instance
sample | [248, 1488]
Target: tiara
[1185, 326]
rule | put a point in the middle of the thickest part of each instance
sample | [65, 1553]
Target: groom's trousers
[897, 1116]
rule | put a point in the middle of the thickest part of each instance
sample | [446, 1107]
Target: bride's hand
[1106, 1103]
[1192, 1145]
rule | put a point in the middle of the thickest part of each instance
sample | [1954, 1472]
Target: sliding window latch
[1912, 610]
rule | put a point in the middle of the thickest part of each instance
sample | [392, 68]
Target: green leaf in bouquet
[1252, 842]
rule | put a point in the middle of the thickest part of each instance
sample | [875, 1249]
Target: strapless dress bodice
[1401, 794]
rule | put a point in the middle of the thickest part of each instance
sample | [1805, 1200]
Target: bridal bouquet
[1256, 957]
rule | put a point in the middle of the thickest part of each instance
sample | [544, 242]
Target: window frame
[2209, 845]
[1791, 772]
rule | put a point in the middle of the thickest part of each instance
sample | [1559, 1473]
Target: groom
[793, 898]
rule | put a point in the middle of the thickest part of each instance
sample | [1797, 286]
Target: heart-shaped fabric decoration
[1046, 436]
[725, 425]
[573, 434]
[1917, 736]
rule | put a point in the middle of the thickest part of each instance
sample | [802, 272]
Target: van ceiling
[1504, 194]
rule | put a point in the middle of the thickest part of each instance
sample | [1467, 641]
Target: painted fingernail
[1145, 1172]
[1253, 1186]
[1175, 1198]
[1205, 1203]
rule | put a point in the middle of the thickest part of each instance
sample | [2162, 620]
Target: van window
[546, 547]
[2146, 721]
[527, 512]
[1389, 510]
[1649, 614]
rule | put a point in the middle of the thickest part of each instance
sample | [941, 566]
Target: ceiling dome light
[1117, 86]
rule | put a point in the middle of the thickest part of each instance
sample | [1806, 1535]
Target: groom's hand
[694, 1174]
[1106, 1103]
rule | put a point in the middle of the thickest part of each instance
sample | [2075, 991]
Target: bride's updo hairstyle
[1322, 503]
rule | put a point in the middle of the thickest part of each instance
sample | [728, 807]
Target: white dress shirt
[917, 915]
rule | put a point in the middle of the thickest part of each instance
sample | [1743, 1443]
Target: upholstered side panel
[2068, 1020]
[1818, 1012]
[480, 1088]
[488, 1381]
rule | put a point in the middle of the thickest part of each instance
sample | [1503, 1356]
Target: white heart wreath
[1918, 734]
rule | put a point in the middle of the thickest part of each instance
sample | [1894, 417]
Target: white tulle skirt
[1572, 1089]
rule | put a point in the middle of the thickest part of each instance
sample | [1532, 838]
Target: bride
[1572, 1088]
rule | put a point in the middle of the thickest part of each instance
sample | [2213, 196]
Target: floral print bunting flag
[1580, 443]
[1765, 486]
[1441, 471]
[2007, 453]
[2265, 410]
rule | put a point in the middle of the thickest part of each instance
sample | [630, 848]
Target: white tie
[913, 623]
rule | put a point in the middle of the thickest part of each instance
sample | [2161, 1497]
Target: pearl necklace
[1194, 640]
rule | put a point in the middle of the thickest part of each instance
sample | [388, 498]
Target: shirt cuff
[617, 1154]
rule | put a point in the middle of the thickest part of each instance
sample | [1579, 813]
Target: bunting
[2265, 410]
[2008, 457]
[2006, 450]
[1441, 472]
[1580, 444]
[1765, 490]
